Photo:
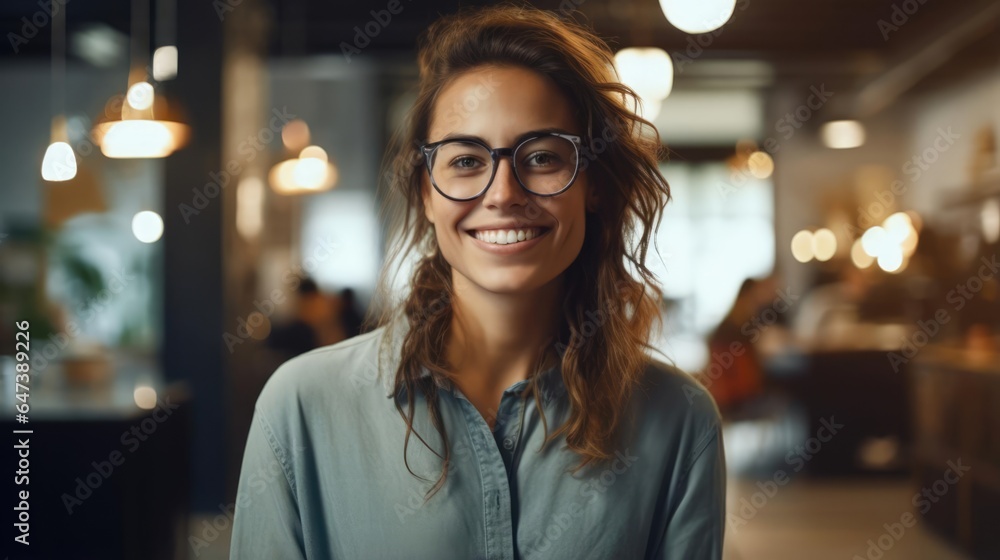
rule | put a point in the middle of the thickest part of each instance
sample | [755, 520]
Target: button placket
[508, 431]
[498, 520]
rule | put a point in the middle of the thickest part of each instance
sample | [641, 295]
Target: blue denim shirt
[323, 473]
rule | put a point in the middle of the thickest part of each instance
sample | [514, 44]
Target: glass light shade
[147, 226]
[802, 246]
[760, 164]
[140, 138]
[859, 257]
[824, 244]
[59, 163]
[891, 259]
[309, 173]
[142, 124]
[875, 240]
[165, 63]
[842, 135]
[698, 17]
[647, 70]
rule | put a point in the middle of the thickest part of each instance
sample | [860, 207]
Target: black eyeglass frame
[496, 153]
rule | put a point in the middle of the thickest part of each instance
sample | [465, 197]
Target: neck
[495, 338]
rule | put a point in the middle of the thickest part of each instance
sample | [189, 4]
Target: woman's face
[498, 105]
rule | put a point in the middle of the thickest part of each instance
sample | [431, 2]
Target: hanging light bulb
[145, 126]
[165, 63]
[698, 17]
[59, 162]
[165, 56]
[802, 246]
[147, 226]
[649, 71]
[138, 134]
[311, 172]
[843, 135]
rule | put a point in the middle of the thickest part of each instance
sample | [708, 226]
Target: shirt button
[508, 443]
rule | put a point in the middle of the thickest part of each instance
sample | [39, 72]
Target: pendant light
[59, 162]
[698, 17]
[649, 71]
[145, 125]
[310, 172]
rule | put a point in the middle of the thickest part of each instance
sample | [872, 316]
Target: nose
[505, 191]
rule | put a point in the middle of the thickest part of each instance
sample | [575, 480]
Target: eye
[464, 162]
[541, 159]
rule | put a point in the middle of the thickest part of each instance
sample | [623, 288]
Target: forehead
[499, 103]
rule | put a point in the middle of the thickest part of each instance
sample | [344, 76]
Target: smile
[507, 236]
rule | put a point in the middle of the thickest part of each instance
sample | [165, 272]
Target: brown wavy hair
[600, 363]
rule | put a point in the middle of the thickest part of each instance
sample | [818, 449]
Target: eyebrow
[517, 140]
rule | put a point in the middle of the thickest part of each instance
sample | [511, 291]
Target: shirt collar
[550, 381]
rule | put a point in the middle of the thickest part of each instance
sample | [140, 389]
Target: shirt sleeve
[266, 522]
[696, 526]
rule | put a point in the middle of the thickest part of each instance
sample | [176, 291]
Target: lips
[502, 236]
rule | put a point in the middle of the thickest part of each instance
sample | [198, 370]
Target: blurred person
[742, 380]
[350, 317]
[326, 319]
[313, 325]
[520, 392]
[832, 306]
[297, 335]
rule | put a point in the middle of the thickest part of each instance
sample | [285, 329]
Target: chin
[511, 281]
[509, 284]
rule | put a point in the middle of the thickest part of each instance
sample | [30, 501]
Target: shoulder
[673, 409]
[324, 377]
[675, 393]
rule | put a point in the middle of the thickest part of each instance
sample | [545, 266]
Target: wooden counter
[956, 404]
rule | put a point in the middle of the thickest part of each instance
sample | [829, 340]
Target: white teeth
[507, 237]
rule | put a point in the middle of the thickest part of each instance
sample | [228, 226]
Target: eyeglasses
[463, 169]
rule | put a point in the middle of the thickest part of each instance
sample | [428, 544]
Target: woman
[507, 408]
[736, 384]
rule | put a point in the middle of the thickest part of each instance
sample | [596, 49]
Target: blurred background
[188, 198]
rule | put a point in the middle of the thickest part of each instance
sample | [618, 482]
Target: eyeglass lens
[545, 165]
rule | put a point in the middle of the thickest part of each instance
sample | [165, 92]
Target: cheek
[446, 216]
